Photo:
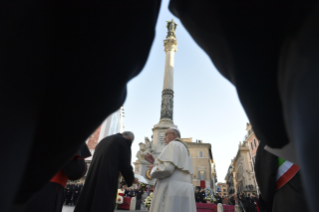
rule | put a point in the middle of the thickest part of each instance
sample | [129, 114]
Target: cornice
[191, 144]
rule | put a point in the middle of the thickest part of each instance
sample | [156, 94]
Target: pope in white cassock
[174, 191]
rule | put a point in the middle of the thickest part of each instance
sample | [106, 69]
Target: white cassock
[174, 191]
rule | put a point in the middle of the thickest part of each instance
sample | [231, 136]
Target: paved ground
[68, 209]
[71, 208]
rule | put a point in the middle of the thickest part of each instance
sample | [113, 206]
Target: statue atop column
[171, 27]
[148, 145]
[140, 154]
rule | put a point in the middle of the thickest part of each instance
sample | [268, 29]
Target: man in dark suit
[197, 195]
[126, 191]
[289, 197]
[112, 156]
[76, 194]
[219, 199]
[67, 195]
[71, 188]
[203, 195]
[232, 200]
[139, 192]
[131, 193]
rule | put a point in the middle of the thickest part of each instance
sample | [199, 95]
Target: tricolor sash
[286, 171]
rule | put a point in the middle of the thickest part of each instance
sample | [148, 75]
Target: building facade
[222, 189]
[253, 146]
[229, 178]
[203, 163]
[253, 142]
[243, 174]
[240, 175]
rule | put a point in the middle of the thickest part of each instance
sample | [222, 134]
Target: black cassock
[51, 197]
[112, 156]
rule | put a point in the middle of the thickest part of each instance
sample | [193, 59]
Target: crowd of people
[134, 192]
[200, 195]
[72, 192]
[247, 202]
[250, 203]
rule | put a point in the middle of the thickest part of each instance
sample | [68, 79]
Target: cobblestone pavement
[71, 208]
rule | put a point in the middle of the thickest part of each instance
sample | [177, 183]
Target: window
[224, 190]
[255, 142]
[202, 175]
[252, 147]
[254, 159]
[224, 193]
[201, 154]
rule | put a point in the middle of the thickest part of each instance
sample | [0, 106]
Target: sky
[206, 105]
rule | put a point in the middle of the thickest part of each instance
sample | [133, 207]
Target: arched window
[252, 146]
[200, 154]
[255, 142]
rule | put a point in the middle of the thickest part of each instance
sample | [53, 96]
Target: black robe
[51, 197]
[290, 197]
[112, 155]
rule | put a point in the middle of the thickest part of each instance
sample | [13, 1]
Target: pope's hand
[150, 158]
[150, 166]
[136, 180]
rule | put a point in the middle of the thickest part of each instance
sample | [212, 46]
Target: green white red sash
[286, 170]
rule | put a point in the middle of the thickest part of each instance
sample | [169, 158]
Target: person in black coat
[126, 190]
[250, 204]
[72, 188]
[139, 192]
[76, 193]
[219, 199]
[203, 195]
[131, 192]
[232, 199]
[68, 195]
[81, 187]
[242, 201]
[198, 195]
[112, 156]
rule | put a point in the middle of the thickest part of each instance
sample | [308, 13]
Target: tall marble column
[166, 120]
